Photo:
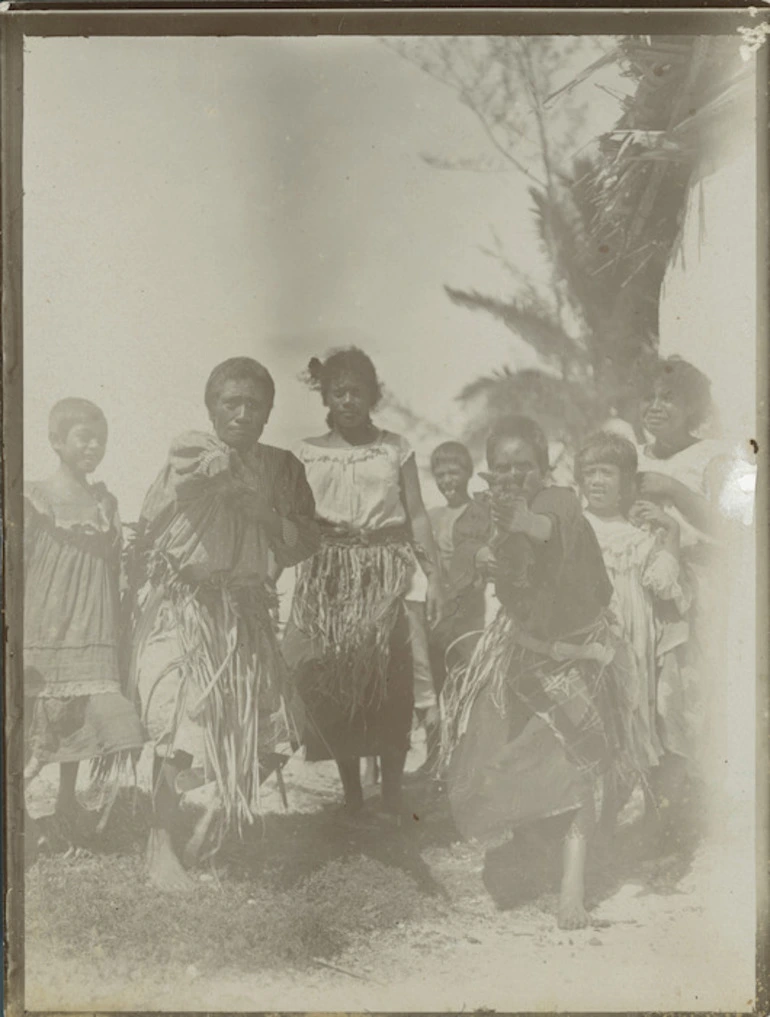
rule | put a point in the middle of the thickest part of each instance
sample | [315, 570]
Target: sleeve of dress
[662, 577]
[196, 462]
[562, 507]
[296, 506]
[35, 511]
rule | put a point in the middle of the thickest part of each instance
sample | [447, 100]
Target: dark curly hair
[67, 413]
[351, 360]
[237, 369]
[687, 384]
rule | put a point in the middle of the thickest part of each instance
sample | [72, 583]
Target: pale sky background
[191, 199]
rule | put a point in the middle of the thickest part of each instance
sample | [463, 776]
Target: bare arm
[423, 535]
[698, 510]
[418, 516]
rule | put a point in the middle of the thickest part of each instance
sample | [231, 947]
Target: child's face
[83, 448]
[602, 487]
[452, 481]
[240, 412]
[515, 458]
[664, 413]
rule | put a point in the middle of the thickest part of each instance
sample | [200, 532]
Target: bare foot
[572, 913]
[163, 867]
[194, 846]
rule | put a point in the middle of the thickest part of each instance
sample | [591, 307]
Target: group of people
[551, 639]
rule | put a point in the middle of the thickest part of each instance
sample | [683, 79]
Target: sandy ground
[686, 948]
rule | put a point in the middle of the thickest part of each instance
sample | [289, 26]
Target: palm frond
[530, 320]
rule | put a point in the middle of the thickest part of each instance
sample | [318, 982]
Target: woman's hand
[647, 512]
[434, 600]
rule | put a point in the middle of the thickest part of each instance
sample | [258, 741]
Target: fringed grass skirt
[208, 674]
[347, 644]
[526, 735]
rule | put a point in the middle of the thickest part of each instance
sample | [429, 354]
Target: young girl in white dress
[642, 562]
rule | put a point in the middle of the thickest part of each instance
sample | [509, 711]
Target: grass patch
[103, 908]
[296, 887]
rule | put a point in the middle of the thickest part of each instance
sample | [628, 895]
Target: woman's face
[83, 448]
[665, 415]
[516, 458]
[349, 401]
[240, 411]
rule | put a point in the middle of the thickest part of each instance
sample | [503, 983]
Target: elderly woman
[205, 662]
[348, 636]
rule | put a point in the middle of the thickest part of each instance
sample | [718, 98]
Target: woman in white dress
[685, 475]
[347, 640]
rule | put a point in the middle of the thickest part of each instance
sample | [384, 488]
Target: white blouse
[689, 467]
[358, 485]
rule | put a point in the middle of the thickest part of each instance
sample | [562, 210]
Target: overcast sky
[192, 199]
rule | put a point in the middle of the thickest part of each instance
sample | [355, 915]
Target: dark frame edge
[307, 19]
[762, 516]
[11, 98]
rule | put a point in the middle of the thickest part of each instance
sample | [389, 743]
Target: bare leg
[393, 763]
[192, 851]
[572, 911]
[66, 801]
[371, 771]
[164, 868]
[350, 775]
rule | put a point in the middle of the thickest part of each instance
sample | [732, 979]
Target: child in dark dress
[74, 707]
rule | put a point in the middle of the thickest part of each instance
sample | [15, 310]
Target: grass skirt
[347, 643]
[214, 691]
[528, 733]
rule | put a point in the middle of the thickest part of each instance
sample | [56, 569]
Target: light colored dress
[72, 683]
[689, 653]
[348, 638]
[642, 573]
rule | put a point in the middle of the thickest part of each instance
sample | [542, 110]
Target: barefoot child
[460, 528]
[72, 539]
[642, 562]
[529, 726]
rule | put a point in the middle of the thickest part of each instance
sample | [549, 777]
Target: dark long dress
[75, 709]
[531, 730]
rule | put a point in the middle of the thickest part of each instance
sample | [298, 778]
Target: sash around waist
[335, 534]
